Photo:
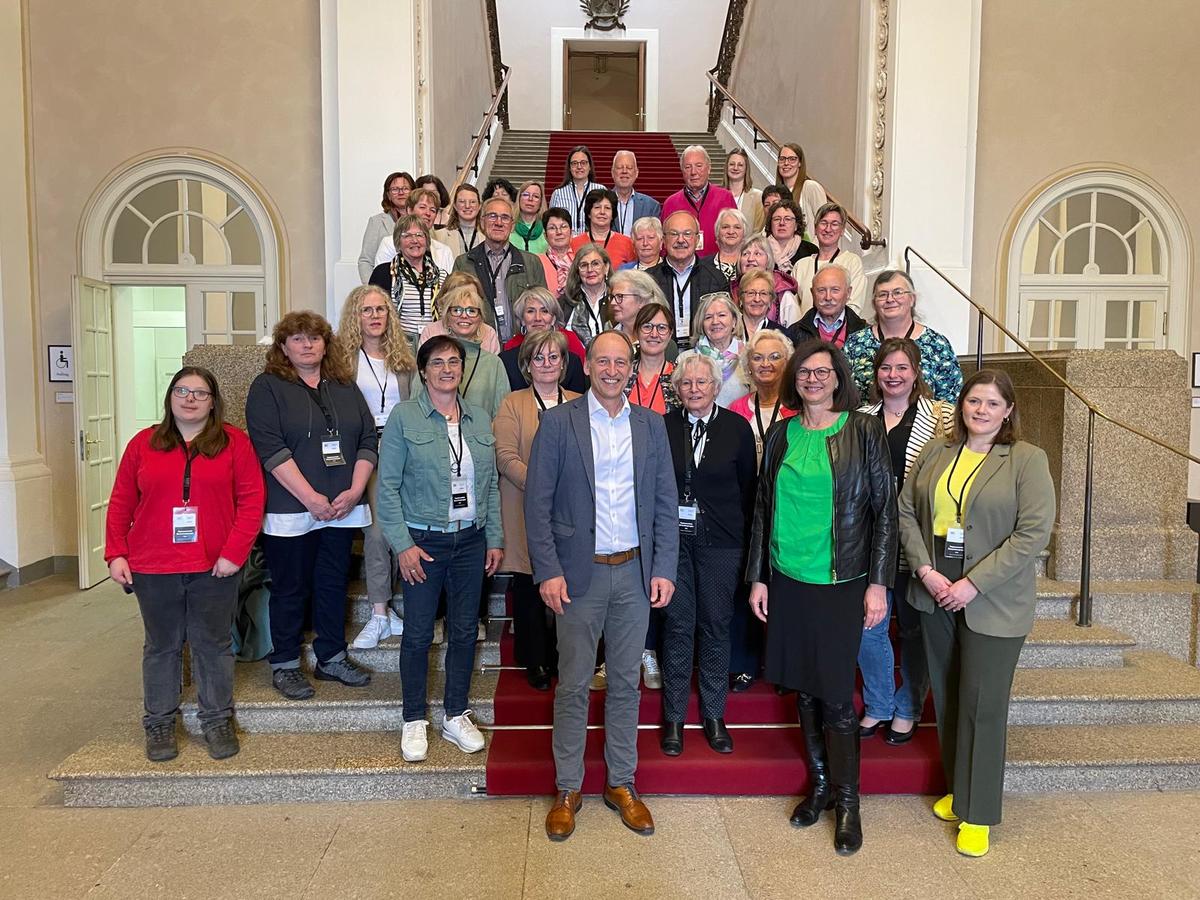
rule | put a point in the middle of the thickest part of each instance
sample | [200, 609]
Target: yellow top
[945, 509]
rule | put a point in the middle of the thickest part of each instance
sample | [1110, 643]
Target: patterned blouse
[939, 363]
[660, 396]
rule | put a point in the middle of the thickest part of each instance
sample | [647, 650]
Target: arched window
[1097, 263]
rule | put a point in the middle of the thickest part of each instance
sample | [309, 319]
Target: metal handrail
[1085, 557]
[471, 163]
[762, 136]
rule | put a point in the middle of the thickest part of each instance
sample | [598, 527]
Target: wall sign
[60, 362]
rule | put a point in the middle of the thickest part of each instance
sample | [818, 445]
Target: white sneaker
[481, 632]
[439, 632]
[373, 632]
[460, 730]
[413, 744]
[599, 680]
[651, 673]
[395, 623]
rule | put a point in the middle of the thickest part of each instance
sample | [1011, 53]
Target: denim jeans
[199, 609]
[457, 566]
[876, 661]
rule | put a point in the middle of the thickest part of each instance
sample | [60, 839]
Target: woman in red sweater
[185, 510]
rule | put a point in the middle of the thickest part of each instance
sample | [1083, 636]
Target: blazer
[1008, 515]
[514, 427]
[524, 271]
[379, 226]
[560, 497]
[723, 484]
[640, 206]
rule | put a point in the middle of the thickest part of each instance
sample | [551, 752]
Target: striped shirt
[566, 198]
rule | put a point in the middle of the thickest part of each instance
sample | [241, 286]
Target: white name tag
[184, 526]
[459, 493]
[380, 419]
[955, 542]
[331, 452]
[687, 519]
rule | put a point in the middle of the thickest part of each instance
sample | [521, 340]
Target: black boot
[809, 809]
[844, 743]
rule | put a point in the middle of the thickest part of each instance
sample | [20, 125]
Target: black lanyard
[593, 317]
[758, 417]
[188, 455]
[689, 459]
[580, 202]
[458, 457]
[494, 271]
[907, 334]
[958, 501]
[474, 237]
[382, 387]
[681, 290]
[817, 262]
[621, 219]
[538, 398]
[703, 196]
[657, 386]
[606, 239]
[467, 385]
[314, 394]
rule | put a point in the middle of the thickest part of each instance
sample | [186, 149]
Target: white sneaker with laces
[373, 632]
[651, 673]
[414, 745]
[600, 679]
[439, 632]
[395, 623]
[461, 731]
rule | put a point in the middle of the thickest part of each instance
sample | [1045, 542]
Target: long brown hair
[801, 170]
[313, 324]
[909, 348]
[387, 204]
[1010, 430]
[747, 179]
[212, 438]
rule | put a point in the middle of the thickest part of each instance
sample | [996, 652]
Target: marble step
[386, 656]
[1162, 757]
[1151, 688]
[1060, 643]
[271, 768]
[376, 707]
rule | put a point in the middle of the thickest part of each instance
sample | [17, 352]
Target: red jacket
[227, 492]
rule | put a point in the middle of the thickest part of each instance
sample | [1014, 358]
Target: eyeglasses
[789, 159]
[656, 328]
[531, 195]
[759, 358]
[622, 297]
[413, 235]
[756, 295]
[592, 264]
[689, 383]
[676, 235]
[372, 311]
[821, 374]
[560, 226]
[897, 294]
[541, 359]
[196, 393]
[452, 363]
[782, 220]
[399, 190]
[497, 217]
[830, 226]
[466, 312]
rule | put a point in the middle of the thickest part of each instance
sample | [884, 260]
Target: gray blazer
[379, 226]
[640, 206]
[560, 497]
[1008, 515]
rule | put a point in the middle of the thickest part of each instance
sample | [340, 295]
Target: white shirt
[380, 387]
[466, 513]
[442, 255]
[681, 303]
[612, 455]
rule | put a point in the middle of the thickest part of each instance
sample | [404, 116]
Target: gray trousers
[616, 606]
[971, 675]
[379, 563]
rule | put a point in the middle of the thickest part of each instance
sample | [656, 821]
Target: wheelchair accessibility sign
[61, 362]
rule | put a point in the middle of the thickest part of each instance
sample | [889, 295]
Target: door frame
[560, 37]
[639, 53]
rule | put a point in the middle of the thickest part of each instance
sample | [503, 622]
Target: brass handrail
[471, 163]
[762, 136]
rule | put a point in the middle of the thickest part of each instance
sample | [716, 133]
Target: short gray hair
[708, 300]
[629, 153]
[540, 295]
[651, 222]
[695, 148]
[693, 357]
[737, 214]
[644, 287]
[883, 278]
[759, 240]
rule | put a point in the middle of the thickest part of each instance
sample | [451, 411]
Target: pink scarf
[562, 267]
[784, 252]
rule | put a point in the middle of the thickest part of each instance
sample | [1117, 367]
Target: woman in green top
[823, 548]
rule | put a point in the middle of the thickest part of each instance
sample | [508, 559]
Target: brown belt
[616, 559]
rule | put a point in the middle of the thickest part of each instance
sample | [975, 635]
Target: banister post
[1085, 557]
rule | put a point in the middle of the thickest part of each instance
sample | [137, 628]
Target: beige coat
[514, 426]
[1008, 515]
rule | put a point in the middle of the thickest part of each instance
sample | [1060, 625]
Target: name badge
[331, 452]
[687, 519]
[459, 498]
[955, 542]
[499, 312]
[183, 525]
[380, 420]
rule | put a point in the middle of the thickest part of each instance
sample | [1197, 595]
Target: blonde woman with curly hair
[371, 343]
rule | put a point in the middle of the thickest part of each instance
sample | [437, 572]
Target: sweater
[716, 199]
[723, 484]
[226, 491]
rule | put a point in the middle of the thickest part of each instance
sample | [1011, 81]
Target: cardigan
[716, 199]
[722, 486]
[227, 492]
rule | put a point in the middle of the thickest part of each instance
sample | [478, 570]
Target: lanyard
[314, 394]
[637, 380]
[579, 204]
[907, 334]
[758, 417]
[703, 196]
[467, 385]
[383, 386]
[607, 237]
[538, 398]
[494, 272]
[622, 213]
[189, 455]
[422, 283]
[680, 290]
[817, 262]
[958, 501]
[458, 457]
[697, 439]
[474, 237]
[593, 317]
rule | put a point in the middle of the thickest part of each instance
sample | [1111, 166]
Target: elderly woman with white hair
[732, 231]
[628, 291]
[757, 254]
[647, 237]
[718, 321]
[715, 472]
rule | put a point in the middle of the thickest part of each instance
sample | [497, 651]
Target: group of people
[672, 430]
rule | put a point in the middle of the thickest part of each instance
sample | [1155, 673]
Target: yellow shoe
[972, 839]
[944, 809]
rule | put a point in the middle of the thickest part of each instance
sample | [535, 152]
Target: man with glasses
[684, 277]
[700, 197]
[504, 271]
[830, 319]
[631, 205]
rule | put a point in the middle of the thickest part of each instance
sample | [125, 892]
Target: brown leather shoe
[560, 821]
[633, 811]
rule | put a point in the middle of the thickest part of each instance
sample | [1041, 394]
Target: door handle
[84, 442]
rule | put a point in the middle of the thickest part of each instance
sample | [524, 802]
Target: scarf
[784, 252]
[727, 358]
[530, 232]
[562, 268]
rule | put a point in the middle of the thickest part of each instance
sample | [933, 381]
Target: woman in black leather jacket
[826, 481]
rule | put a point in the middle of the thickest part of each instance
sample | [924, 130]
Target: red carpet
[764, 761]
[658, 163]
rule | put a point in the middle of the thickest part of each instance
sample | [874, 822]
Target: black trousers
[316, 567]
[534, 635]
[699, 614]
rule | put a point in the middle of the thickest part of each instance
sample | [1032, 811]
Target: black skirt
[813, 634]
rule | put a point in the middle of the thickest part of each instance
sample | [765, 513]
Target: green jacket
[414, 471]
[1007, 517]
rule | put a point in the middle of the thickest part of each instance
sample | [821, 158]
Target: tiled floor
[69, 666]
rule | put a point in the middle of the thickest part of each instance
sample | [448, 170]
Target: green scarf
[530, 232]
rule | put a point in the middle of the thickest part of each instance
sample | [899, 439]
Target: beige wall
[109, 82]
[460, 80]
[796, 71]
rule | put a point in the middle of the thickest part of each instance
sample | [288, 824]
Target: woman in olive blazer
[975, 512]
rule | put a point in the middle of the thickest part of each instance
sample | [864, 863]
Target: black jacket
[723, 485]
[865, 517]
[706, 279]
[807, 326]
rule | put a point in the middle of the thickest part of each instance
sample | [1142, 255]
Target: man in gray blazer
[631, 205]
[601, 517]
